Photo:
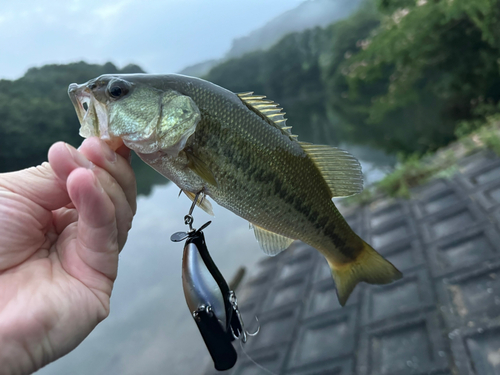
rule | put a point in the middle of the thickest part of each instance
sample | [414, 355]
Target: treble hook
[243, 334]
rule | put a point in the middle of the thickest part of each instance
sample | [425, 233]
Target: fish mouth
[92, 114]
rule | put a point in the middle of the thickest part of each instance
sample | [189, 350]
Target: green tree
[35, 112]
[428, 65]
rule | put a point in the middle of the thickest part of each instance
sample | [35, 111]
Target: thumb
[45, 184]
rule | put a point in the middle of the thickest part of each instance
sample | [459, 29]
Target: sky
[161, 36]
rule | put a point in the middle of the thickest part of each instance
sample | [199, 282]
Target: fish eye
[117, 89]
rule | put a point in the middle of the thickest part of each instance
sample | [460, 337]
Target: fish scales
[237, 151]
[251, 154]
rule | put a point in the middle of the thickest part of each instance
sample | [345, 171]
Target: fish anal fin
[271, 243]
[199, 167]
[341, 170]
[369, 267]
[203, 203]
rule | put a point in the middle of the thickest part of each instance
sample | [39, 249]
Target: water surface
[150, 330]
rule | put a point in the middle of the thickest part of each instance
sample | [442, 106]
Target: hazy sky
[159, 35]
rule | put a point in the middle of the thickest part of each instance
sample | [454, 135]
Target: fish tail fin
[369, 267]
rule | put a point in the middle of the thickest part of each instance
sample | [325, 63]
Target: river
[150, 330]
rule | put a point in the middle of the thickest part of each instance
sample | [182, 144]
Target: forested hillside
[306, 15]
[399, 75]
[35, 112]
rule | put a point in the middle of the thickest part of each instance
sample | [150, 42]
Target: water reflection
[150, 329]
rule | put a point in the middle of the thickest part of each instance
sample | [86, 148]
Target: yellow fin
[199, 167]
[203, 202]
[341, 170]
[268, 110]
[369, 267]
[271, 243]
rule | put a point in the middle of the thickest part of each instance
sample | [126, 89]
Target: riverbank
[418, 170]
[443, 317]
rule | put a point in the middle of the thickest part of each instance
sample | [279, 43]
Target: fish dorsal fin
[203, 203]
[341, 170]
[267, 109]
[271, 243]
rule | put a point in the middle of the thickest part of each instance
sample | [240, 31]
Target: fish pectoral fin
[199, 167]
[271, 243]
[341, 170]
[203, 203]
[369, 267]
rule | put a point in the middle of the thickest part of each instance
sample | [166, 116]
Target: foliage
[479, 134]
[416, 170]
[491, 140]
[412, 172]
[426, 67]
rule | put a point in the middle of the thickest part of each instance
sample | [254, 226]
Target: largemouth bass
[237, 149]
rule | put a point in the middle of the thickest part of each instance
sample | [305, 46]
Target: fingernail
[108, 153]
[79, 158]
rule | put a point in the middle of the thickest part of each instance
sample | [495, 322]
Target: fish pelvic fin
[369, 266]
[203, 203]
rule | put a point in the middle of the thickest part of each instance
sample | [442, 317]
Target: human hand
[62, 226]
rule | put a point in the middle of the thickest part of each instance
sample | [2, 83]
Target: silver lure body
[200, 287]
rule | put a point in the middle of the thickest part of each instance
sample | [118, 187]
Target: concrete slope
[443, 317]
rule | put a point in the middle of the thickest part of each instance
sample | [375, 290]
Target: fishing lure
[212, 303]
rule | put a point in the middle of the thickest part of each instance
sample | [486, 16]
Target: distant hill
[309, 14]
[407, 82]
[200, 69]
[35, 112]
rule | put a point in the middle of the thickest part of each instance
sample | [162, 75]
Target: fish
[237, 149]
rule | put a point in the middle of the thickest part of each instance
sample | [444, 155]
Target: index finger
[115, 163]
